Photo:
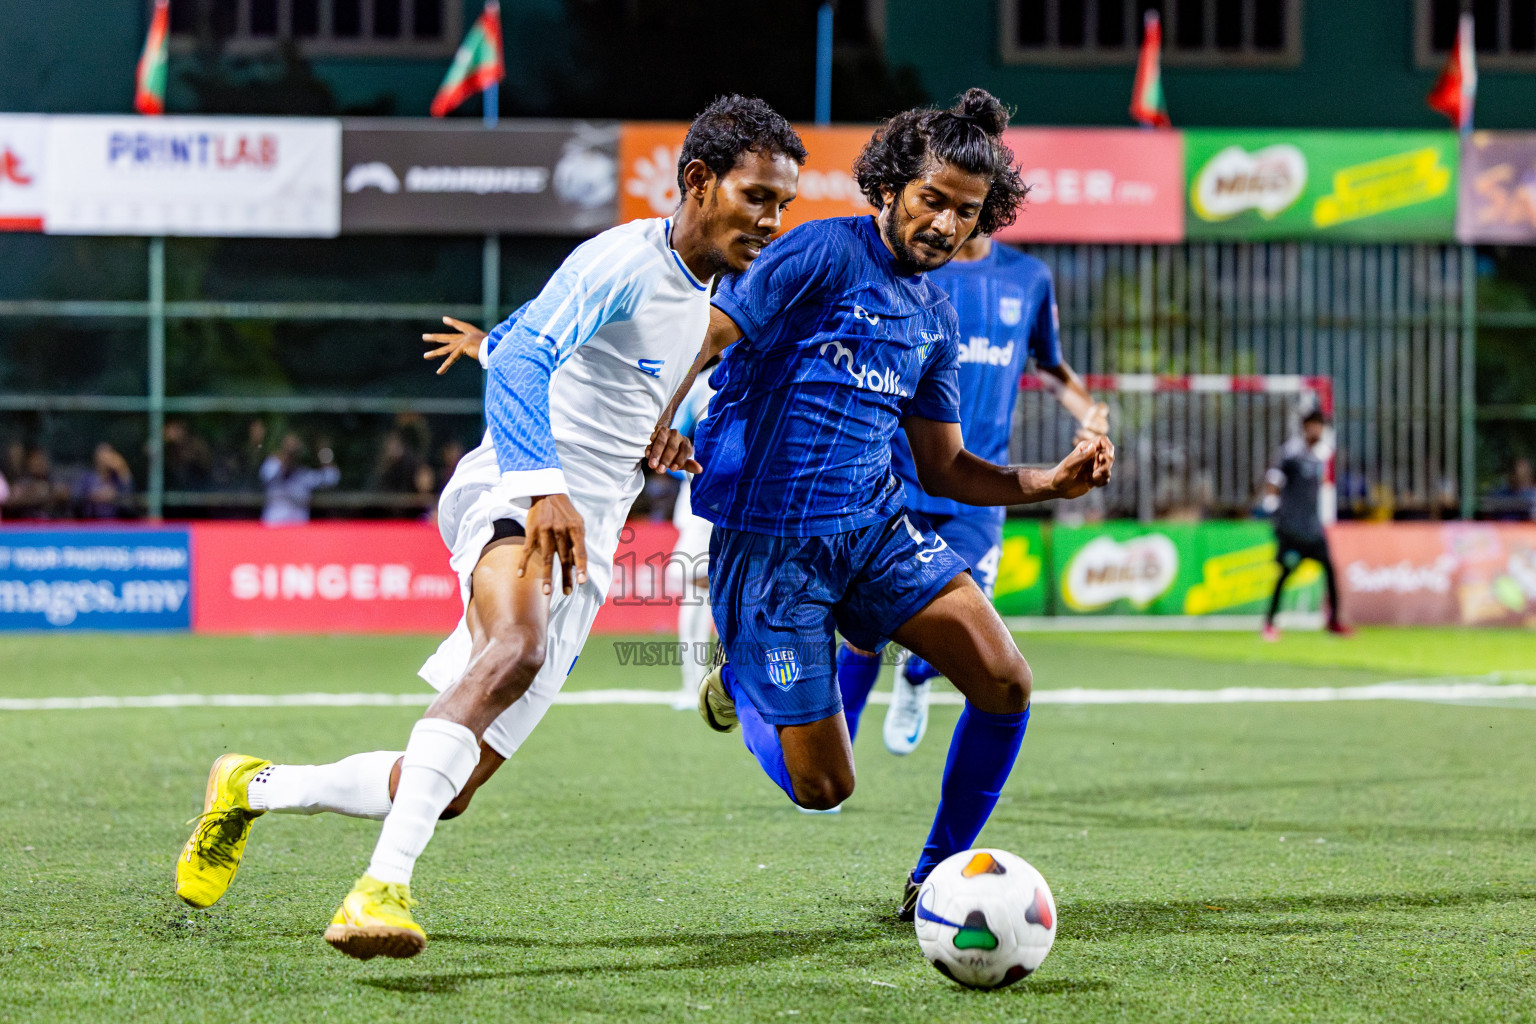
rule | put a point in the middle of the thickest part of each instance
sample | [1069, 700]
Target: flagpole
[824, 63]
[492, 101]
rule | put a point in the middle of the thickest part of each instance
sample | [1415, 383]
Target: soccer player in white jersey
[576, 382]
[690, 562]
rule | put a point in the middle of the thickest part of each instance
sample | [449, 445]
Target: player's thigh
[503, 606]
[772, 602]
[960, 634]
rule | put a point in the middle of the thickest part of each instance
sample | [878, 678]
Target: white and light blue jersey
[593, 359]
[1006, 305]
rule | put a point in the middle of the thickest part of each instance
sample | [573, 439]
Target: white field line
[1451, 689]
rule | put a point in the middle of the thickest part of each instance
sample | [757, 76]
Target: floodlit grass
[1371, 861]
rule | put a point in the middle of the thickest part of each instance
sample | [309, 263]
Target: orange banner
[648, 155]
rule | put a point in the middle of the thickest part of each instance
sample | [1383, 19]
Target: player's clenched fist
[1087, 466]
[555, 528]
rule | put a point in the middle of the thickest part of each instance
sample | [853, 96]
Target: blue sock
[761, 738]
[980, 757]
[917, 670]
[856, 675]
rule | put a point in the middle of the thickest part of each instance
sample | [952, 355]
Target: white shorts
[602, 492]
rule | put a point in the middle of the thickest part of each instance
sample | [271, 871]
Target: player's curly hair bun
[968, 135]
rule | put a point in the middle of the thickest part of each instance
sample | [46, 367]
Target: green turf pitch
[1345, 861]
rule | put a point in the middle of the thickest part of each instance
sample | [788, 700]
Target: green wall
[1356, 72]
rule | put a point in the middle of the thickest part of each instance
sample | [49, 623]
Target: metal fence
[1390, 324]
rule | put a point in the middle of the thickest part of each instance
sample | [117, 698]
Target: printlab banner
[1345, 185]
[522, 177]
[94, 579]
[648, 155]
[23, 150]
[323, 578]
[258, 177]
[1098, 185]
[1173, 569]
[1451, 574]
[1498, 189]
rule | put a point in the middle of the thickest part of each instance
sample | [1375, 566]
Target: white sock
[694, 624]
[439, 759]
[357, 786]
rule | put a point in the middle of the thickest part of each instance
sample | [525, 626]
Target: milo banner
[1344, 185]
[1127, 568]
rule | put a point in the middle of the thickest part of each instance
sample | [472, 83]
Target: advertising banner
[444, 177]
[257, 177]
[73, 579]
[1451, 574]
[1022, 586]
[1099, 185]
[648, 153]
[1498, 189]
[23, 150]
[323, 578]
[649, 581]
[1345, 185]
[1217, 568]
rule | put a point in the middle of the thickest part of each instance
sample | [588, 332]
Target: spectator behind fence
[289, 485]
[396, 471]
[106, 490]
[188, 459]
[37, 493]
[1515, 498]
[5, 494]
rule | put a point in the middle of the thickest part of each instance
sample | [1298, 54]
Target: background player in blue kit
[843, 339]
[1006, 305]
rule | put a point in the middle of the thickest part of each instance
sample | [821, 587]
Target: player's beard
[905, 255]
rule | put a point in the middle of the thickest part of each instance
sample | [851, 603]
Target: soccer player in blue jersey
[1006, 306]
[837, 339]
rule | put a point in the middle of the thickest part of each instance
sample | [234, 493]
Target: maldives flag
[1455, 90]
[149, 84]
[1147, 105]
[477, 66]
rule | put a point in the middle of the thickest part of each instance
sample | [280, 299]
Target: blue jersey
[1006, 304]
[838, 347]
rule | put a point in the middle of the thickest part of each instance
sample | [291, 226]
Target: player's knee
[822, 792]
[518, 653]
[1013, 684]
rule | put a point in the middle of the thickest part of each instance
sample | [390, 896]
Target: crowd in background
[273, 474]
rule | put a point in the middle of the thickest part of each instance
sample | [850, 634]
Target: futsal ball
[985, 918]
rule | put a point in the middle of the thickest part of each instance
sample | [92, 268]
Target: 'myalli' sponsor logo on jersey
[883, 381]
[652, 366]
[981, 350]
[783, 667]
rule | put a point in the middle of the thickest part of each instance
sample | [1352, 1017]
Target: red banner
[1450, 574]
[1099, 185]
[322, 578]
[648, 582]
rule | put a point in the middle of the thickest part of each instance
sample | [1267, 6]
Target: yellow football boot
[715, 704]
[375, 920]
[208, 862]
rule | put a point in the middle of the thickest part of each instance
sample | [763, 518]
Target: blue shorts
[976, 538]
[777, 601]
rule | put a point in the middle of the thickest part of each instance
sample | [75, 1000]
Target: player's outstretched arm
[722, 334]
[1092, 416]
[947, 470]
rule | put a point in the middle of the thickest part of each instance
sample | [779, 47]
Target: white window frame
[1091, 55]
[326, 45]
[1427, 58]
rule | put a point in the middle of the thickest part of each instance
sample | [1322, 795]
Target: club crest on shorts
[1010, 309]
[783, 667]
